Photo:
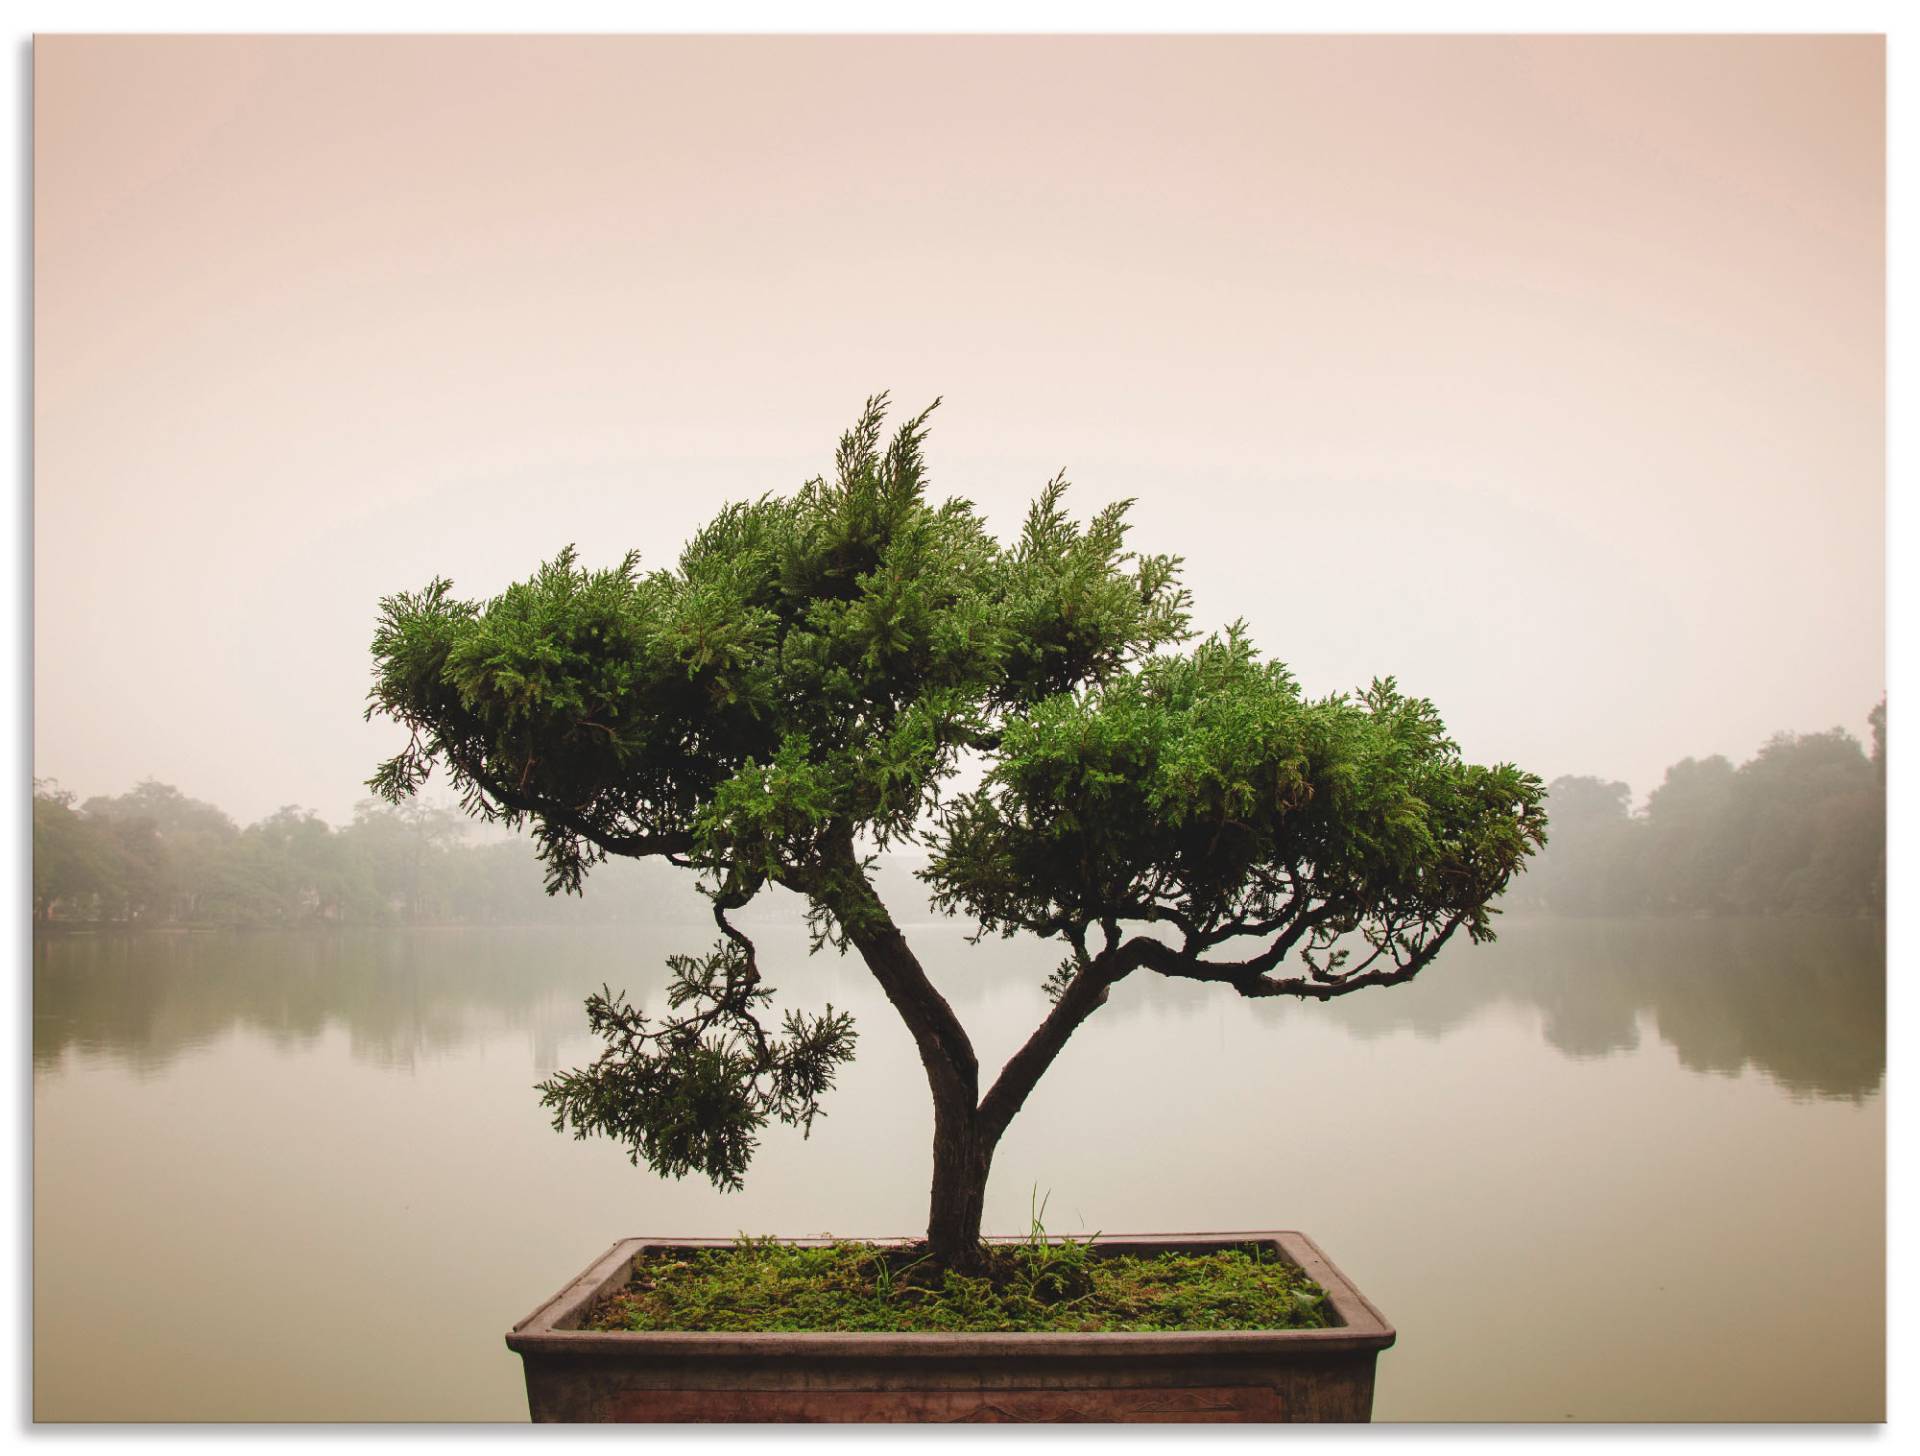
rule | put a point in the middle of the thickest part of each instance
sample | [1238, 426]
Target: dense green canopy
[811, 661]
[820, 673]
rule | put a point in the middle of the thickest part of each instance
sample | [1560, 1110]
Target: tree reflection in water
[1803, 1002]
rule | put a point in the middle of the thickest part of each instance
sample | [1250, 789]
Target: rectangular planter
[1245, 1375]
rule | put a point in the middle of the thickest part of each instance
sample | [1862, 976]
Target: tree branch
[1085, 994]
[945, 1049]
[1250, 978]
[632, 846]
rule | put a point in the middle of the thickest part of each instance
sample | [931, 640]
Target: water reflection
[148, 999]
[1801, 1001]
[1564, 1104]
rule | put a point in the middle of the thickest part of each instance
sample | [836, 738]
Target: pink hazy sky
[1544, 373]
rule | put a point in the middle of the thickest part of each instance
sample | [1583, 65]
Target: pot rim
[553, 1328]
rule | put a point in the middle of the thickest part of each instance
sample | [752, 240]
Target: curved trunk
[962, 1148]
[966, 1129]
[962, 1158]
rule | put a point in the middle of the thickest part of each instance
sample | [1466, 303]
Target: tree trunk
[962, 1158]
[962, 1144]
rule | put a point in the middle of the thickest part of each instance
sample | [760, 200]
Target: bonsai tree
[818, 678]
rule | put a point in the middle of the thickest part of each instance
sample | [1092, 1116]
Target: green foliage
[823, 659]
[1206, 792]
[1064, 1285]
[809, 680]
[693, 1091]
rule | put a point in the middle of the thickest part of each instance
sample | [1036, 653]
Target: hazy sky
[1545, 374]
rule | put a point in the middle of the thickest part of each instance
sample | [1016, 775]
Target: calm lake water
[1599, 1170]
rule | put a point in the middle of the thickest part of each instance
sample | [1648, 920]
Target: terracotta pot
[1249, 1375]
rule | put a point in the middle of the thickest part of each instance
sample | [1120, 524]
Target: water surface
[1599, 1170]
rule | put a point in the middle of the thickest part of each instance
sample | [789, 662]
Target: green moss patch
[762, 1286]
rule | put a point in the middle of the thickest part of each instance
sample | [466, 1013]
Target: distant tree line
[155, 857]
[1800, 828]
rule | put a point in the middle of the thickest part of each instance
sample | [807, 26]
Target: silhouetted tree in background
[1580, 870]
[1798, 829]
[154, 857]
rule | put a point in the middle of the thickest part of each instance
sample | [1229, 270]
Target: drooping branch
[1252, 978]
[548, 813]
[690, 1092]
[402, 776]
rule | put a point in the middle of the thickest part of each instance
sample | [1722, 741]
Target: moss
[764, 1286]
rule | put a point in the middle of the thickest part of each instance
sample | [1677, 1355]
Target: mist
[1544, 374]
